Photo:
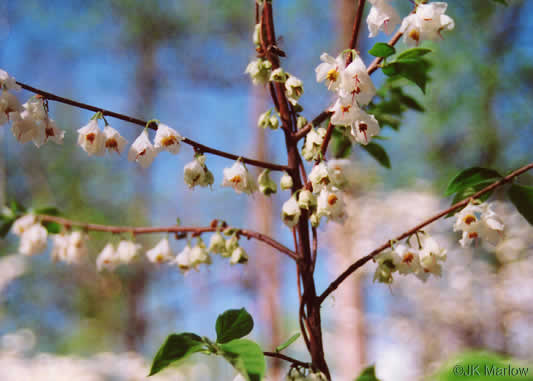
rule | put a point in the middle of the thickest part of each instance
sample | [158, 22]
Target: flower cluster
[355, 89]
[296, 374]
[382, 16]
[71, 248]
[30, 121]
[478, 220]
[426, 23]
[422, 260]
[325, 199]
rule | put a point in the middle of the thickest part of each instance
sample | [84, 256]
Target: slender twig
[315, 248]
[302, 132]
[197, 146]
[360, 262]
[327, 138]
[287, 358]
[167, 229]
[356, 28]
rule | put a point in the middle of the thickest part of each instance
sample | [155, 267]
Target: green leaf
[504, 2]
[414, 70]
[291, 340]
[233, 324]
[176, 347]
[413, 53]
[468, 192]
[246, 357]
[473, 178]
[17, 207]
[52, 227]
[341, 146]
[369, 374]
[382, 49]
[522, 198]
[51, 211]
[5, 227]
[378, 153]
[410, 102]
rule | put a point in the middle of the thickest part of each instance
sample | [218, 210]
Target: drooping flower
[23, 223]
[306, 200]
[76, 250]
[286, 181]
[259, 71]
[364, 128]
[9, 103]
[113, 141]
[319, 177]
[426, 23]
[91, 139]
[478, 221]
[239, 178]
[294, 89]
[387, 264]
[183, 259]
[160, 253]
[267, 186]
[23, 126]
[267, 120]
[330, 71]
[238, 256]
[337, 171]
[33, 240]
[60, 247]
[431, 255]
[199, 255]
[231, 245]
[331, 205]
[290, 212]
[409, 259]
[345, 111]
[108, 259]
[127, 251]
[196, 173]
[217, 244]
[313, 143]
[356, 83]
[382, 16]
[167, 138]
[7, 82]
[278, 75]
[48, 132]
[142, 151]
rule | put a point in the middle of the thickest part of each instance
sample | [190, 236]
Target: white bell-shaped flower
[238, 256]
[290, 212]
[108, 259]
[319, 177]
[33, 240]
[382, 16]
[91, 139]
[127, 251]
[364, 128]
[160, 253]
[331, 205]
[426, 23]
[113, 141]
[167, 139]
[142, 151]
[239, 178]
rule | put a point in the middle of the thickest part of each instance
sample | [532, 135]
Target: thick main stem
[309, 300]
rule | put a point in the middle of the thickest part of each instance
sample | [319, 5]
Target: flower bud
[266, 185]
[301, 122]
[286, 182]
[306, 199]
[217, 244]
[256, 37]
[278, 75]
[238, 256]
[290, 212]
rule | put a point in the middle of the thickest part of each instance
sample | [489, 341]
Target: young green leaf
[233, 324]
[291, 340]
[472, 177]
[522, 198]
[412, 53]
[341, 146]
[410, 102]
[246, 357]
[382, 49]
[176, 347]
[413, 69]
[50, 210]
[52, 227]
[369, 374]
[378, 153]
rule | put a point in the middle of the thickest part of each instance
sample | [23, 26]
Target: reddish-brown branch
[356, 28]
[197, 146]
[287, 358]
[327, 138]
[167, 229]
[360, 262]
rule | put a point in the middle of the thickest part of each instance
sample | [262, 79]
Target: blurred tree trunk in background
[349, 328]
[266, 264]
